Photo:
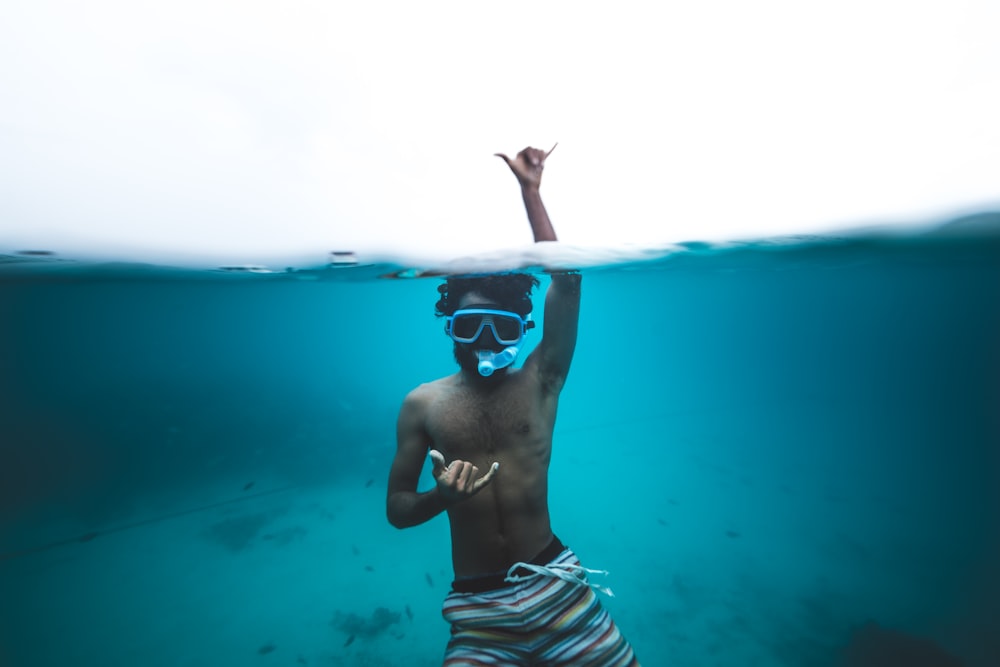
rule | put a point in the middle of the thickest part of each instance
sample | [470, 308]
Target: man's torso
[510, 423]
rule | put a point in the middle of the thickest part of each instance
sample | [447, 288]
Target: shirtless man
[520, 597]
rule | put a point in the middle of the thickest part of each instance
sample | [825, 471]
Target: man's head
[481, 294]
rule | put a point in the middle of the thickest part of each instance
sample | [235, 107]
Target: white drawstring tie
[564, 571]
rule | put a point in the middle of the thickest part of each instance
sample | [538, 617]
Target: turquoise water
[768, 446]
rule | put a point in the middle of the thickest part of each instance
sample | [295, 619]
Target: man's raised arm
[527, 167]
[562, 302]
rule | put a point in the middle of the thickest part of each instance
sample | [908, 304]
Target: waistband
[492, 582]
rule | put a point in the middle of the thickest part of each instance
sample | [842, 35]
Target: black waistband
[491, 582]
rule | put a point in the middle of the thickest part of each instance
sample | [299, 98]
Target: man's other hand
[457, 481]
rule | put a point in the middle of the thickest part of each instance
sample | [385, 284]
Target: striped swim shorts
[539, 620]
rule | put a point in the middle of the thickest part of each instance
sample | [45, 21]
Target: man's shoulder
[428, 391]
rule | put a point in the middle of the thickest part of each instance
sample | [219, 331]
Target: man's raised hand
[528, 165]
[457, 480]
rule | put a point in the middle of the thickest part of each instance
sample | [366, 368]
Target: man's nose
[489, 335]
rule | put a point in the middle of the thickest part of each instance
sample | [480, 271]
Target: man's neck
[472, 378]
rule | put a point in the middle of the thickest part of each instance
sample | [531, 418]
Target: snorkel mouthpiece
[490, 361]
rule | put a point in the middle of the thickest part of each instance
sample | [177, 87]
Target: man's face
[465, 353]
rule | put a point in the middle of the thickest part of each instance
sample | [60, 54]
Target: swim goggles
[465, 326]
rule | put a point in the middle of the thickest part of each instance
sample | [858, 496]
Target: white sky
[252, 130]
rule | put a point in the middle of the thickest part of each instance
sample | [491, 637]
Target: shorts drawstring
[566, 571]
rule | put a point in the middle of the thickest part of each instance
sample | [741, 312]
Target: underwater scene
[785, 453]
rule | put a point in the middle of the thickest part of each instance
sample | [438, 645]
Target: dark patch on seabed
[874, 646]
[787, 454]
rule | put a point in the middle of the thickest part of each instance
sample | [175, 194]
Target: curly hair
[511, 290]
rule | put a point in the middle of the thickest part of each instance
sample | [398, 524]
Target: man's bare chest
[468, 425]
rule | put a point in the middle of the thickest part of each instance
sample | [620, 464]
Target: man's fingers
[552, 149]
[460, 475]
[505, 158]
[438, 459]
[487, 478]
[466, 477]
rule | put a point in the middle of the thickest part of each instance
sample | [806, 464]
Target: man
[519, 597]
